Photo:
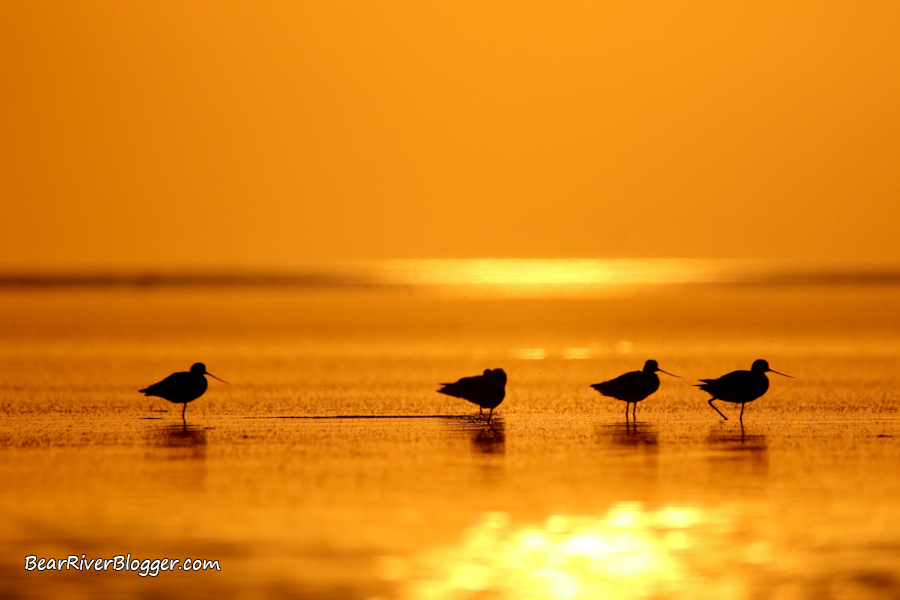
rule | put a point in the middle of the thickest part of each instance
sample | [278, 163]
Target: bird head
[651, 366]
[200, 369]
[762, 366]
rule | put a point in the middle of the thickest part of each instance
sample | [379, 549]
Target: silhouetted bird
[487, 390]
[739, 387]
[633, 386]
[182, 387]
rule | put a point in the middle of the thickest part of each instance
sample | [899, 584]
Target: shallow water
[330, 468]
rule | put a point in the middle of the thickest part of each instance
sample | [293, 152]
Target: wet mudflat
[330, 468]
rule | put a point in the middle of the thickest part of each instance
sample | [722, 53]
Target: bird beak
[214, 377]
[782, 374]
[667, 373]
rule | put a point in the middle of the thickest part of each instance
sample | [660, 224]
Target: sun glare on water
[630, 552]
[544, 277]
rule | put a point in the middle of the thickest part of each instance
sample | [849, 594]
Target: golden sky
[272, 134]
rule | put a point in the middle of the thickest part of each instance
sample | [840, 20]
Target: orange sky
[272, 134]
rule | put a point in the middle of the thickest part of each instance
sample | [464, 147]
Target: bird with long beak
[182, 387]
[739, 387]
[633, 386]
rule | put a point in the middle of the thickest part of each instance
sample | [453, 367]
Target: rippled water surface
[330, 468]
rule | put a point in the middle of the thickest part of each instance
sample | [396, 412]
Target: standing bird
[739, 387]
[487, 390]
[633, 386]
[182, 387]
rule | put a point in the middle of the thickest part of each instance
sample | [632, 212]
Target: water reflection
[490, 439]
[189, 441]
[630, 552]
[545, 277]
[631, 434]
[735, 445]
[676, 552]
[486, 438]
[739, 440]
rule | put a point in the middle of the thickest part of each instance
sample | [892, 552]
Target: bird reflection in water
[737, 439]
[190, 441]
[490, 439]
[739, 445]
[631, 434]
[486, 438]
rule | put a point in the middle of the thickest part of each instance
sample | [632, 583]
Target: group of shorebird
[488, 389]
[738, 387]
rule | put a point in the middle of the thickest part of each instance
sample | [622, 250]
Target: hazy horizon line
[483, 273]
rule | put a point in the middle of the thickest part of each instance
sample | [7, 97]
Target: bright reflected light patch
[543, 277]
[531, 353]
[630, 552]
[577, 353]
[625, 347]
[678, 516]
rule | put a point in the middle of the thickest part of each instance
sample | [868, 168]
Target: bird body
[182, 387]
[633, 386]
[739, 387]
[486, 390]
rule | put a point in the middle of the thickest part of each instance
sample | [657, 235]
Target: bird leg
[490, 414]
[634, 411]
[626, 410]
[716, 409]
[182, 412]
[741, 418]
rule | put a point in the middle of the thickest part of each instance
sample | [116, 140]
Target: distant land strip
[823, 278]
[185, 280]
[339, 280]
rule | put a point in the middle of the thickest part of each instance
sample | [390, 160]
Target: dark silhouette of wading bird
[633, 386]
[486, 390]
[182, 387]
[739, 387]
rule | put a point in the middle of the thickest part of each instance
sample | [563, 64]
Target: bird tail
[704, 386]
